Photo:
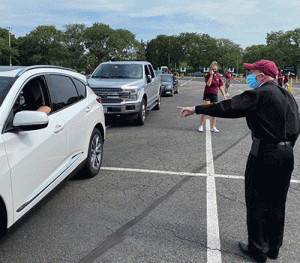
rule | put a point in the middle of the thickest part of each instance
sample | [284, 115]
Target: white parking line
[186, 82]
[213, 233]
[151, 171]
[119, 169]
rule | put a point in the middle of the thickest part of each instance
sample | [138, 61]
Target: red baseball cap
[267, 67]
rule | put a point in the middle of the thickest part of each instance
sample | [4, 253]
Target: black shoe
[272, 253]
[255, 255]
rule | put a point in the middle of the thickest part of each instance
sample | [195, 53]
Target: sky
[245, 23]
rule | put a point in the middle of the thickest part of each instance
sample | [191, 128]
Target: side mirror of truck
[148, 78]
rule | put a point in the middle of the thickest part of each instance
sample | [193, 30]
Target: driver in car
[21, 104]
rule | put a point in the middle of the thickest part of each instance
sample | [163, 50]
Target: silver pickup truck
[127, 88]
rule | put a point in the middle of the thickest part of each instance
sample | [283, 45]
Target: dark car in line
[170, 84]
[198, 74]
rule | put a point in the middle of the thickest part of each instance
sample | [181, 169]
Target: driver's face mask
[21, 99]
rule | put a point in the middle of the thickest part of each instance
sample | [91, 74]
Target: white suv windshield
[120, 71]
[5, 85]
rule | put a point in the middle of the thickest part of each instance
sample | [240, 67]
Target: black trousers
[267, 180]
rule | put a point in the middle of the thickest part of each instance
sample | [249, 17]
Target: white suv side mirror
[30, 120]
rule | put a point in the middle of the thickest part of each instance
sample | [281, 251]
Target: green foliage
[157, 51]
[83, 48]
[41, 46]
[282, 47]
[192, 49]
[76, 47]
[7, 51]
[228, 54]
[99, 40]
[73, 45]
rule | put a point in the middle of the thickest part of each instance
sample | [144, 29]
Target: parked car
[170, 84]
[198, 74]
[127, 88]
[40, 150]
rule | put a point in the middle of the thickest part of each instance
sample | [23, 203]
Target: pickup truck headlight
[130, 94]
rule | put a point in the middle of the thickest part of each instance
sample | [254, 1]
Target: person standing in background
[286, 80]
[213, 83]
[227, 82]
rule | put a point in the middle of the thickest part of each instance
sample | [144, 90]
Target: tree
[284, 48]
[198, 49]
[73, 42]
[127, 47]
[276, 43]
[291, 51]
[158, 51]
[99, 40]
[228, 54]
[42, 46]
[255, 53]
[7, 51]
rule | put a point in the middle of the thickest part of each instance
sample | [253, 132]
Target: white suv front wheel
[95, 154]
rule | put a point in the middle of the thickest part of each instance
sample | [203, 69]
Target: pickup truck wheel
[157, 106]
[141, 116]
[95, 154]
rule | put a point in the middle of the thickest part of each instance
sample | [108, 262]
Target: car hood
[114, 83]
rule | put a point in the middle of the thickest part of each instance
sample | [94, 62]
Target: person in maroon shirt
[280, 78]
[227, 82]
[286, 80]
[213, 83]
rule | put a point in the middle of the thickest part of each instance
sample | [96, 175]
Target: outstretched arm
[186, 111]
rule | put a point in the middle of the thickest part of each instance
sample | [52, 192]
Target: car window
[151, 71]
[5, 85]
[81, 88]
[32, 96]
[147, 72]
[62, 91]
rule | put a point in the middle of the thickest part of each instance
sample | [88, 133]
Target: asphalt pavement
[165, 193]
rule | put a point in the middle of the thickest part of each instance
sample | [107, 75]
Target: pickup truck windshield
[5, 85]
[120, 71]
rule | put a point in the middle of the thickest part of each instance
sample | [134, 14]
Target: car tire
[157, 106]
[95, 154]
[141, 116]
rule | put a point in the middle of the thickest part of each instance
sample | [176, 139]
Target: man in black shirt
[272, 116]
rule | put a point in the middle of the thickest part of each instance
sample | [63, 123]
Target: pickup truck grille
[108, 100]
[107, 90]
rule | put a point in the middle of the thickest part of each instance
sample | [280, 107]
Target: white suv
[51, 125]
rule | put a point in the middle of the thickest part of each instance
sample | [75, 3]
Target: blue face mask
[252, 82]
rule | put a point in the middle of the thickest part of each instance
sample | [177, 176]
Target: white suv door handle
[58, 128]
